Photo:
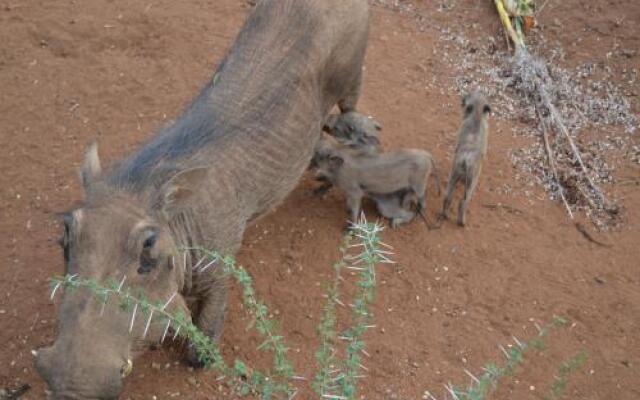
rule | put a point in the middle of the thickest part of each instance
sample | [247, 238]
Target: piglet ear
[330, 123]
[464, 100]
[176, 193]
[91, 168]
[336, 161]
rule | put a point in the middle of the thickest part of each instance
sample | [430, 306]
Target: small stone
[192, 381]
[155, 365]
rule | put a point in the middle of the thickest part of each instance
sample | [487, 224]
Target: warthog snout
[92, 374]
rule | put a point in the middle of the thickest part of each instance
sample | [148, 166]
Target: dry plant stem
[543, 102]
[583, 231]
[557, 121]
[552, 163]
[506, 22]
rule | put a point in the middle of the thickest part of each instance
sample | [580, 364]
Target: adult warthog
[231, 157]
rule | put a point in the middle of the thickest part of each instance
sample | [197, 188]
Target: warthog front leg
[210, 317]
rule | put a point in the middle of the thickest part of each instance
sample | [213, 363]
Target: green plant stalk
[336, 378]
[361, 317]
[566, 369]
[481, 386]
[325, 355]
[264, 325]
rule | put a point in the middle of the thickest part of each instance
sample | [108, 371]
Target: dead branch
[588, 236]
[552, 163]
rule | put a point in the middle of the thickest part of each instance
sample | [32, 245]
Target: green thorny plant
[566, 369]
[482, 385]
[245, 380]
[337, 378]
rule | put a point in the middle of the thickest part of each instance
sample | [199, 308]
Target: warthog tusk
[127, 368]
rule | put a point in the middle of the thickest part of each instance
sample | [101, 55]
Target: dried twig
[552, 164]
[588, 236]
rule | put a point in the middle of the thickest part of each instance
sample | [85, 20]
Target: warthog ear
[91, 168]
[180, 188]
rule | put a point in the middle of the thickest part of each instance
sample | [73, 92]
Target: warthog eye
[147, 260]
[149, 242]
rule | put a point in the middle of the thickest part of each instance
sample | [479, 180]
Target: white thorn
[133, 317]
[506, 353]
[199, 262]
[450, 390]
[537, 327]
[169, 301]
[55, 289]
[146, 328]
[472, 376]
[124, 278]
[166, 329]
[519, 343]
[175, 335]
[184, 261]
[208, 265]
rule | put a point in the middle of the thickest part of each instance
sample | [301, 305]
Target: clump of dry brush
[573, 171]
[572, 176]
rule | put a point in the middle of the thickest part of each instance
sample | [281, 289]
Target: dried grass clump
[573, 172]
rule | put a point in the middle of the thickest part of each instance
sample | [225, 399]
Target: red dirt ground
[71, 71]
